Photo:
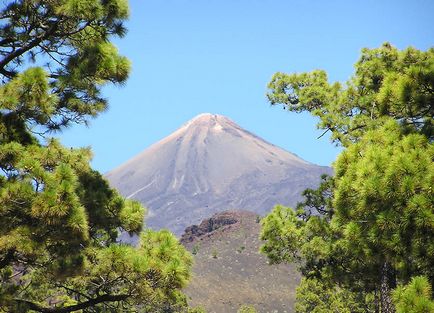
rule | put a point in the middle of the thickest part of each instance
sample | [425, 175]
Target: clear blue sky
[217, 56]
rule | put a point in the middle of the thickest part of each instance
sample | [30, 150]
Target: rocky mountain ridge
[209, 225]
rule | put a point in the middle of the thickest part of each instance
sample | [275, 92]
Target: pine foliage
[387, 83]
[414, 297]
[59, 219]
[370, 226]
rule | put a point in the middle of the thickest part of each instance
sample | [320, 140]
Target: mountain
[209, 165]
[229, 271]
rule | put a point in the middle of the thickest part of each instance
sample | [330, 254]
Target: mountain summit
[209, 165]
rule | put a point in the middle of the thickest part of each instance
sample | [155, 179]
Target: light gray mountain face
[209, 165]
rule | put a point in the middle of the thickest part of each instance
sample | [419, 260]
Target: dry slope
[229, 271]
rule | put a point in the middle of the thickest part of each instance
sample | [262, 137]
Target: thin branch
[328, 129]
[73, 291]
[29, 46]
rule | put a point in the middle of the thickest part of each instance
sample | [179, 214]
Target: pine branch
[17, 53]
[83, 305]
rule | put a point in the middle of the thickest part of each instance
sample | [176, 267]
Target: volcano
[210, 165]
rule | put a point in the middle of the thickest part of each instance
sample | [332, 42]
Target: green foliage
[258, 219]
[414, 297]
[246, 309]
[59, 219]
[372, 224]
[387, 83]
[72, 58]
[195, 249]
[382, 212]
[241, 249]
[283, 234]
[214, 253]
[384, 201]
[317, 296]
[168, 255]
[134, 277]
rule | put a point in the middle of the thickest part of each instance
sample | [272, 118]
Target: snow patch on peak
[205, 118]
[218, 128]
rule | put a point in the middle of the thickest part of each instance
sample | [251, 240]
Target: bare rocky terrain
[229, 271]
[210, 165]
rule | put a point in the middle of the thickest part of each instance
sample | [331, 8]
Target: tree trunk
[376, 301]
[388, 283]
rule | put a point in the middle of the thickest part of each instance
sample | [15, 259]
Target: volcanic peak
[210, 165]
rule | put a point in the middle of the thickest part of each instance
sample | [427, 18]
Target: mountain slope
[228, 270]
[208, 165]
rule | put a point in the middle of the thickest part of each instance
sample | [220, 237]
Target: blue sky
[195, 56]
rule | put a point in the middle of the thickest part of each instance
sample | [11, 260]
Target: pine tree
[59, 219]
[372, 224]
